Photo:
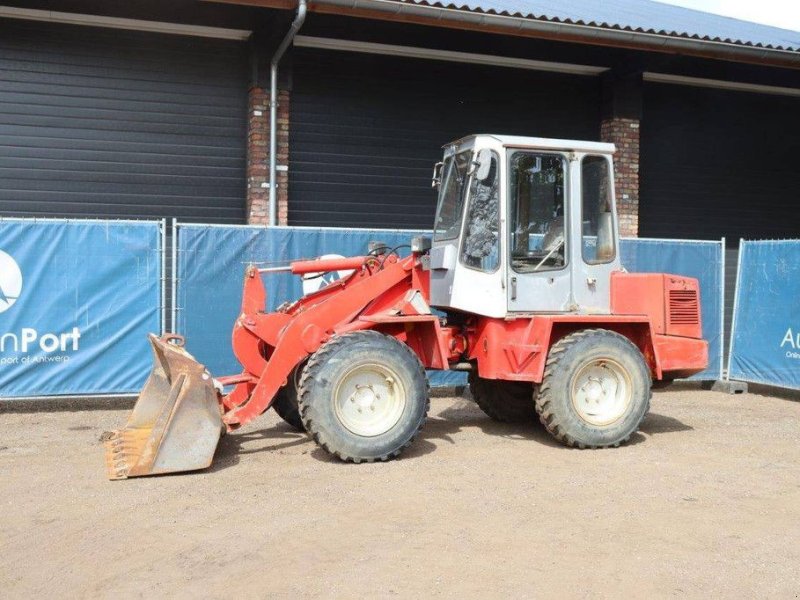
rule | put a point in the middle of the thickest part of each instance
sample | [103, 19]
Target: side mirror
[437, 174]
[484, 160]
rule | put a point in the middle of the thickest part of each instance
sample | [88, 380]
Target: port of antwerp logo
[10, 281]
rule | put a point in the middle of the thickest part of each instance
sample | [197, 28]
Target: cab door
[596, 256]
[540, 238]
[448, 223]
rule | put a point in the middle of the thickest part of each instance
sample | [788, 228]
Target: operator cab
[524, 225]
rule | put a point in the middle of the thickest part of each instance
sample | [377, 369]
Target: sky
[778, 13]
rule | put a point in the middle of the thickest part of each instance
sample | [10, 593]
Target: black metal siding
[718, 163]
[112, 123]
[366, 129]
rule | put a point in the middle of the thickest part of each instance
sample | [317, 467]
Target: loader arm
[271, 345]
[178, 418]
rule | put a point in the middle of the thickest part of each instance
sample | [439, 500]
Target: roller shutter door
[366, 129]
[718, 163]
[111, 123]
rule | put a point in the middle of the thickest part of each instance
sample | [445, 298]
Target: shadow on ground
[655, 423]
[775, 392]
[277, 439]
[439, 429]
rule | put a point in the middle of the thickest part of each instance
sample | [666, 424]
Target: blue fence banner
[212, 260]
[77, 300]
[699, 259]
[765, 334]
[211, 264]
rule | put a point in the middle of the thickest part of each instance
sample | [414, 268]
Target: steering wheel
[555, 247]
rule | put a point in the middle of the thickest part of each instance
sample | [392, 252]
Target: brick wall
[258, 156]
[625, 134]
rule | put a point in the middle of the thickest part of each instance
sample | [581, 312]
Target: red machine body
[535, 306]
[659, 313]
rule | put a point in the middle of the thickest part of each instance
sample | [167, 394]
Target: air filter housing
[682, 306]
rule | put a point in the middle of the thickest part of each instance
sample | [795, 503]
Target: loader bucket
[176, 423]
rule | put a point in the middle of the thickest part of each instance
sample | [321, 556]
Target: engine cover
[671, 301]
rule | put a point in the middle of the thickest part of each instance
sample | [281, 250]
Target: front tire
[503, 401]
[595, 391]
[285, 403]
[363, 396]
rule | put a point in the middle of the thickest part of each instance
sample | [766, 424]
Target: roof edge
[569, 32]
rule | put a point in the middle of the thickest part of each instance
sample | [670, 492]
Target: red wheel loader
[520, 285]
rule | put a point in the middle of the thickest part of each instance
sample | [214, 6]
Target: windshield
[451, 196]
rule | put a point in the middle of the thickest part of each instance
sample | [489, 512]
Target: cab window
[451, 196]
[480, 248]
[537, 205]
[597, 221]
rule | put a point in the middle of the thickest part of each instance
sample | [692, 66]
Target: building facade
[161, 109]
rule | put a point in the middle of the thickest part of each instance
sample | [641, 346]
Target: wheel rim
[601, 391]
[369, 399]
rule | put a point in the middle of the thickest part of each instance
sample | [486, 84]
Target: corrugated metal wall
[366, 129]
[717, 163]
[111, 123]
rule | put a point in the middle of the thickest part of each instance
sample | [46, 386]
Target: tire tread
[307, 410]
[544, 398]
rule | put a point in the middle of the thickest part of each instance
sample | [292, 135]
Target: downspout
[273, 108]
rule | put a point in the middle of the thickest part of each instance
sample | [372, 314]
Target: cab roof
[521, 141]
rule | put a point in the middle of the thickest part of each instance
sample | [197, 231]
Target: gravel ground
[704, 501]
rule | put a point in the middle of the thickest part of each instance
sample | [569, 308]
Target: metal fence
[765, 332]
[77, 299]
[115, 281]
[703, 260]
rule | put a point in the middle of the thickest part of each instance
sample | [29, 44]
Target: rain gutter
[658, 42]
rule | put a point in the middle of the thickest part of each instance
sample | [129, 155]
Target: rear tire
[503, 401]
[363, 396]
[595, 391]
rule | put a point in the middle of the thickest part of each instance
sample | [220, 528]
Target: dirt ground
[705, 501]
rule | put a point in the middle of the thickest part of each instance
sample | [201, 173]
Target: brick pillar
[283, 157]
[257, 205]
[624, 133]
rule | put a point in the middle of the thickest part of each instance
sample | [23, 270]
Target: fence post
[174, 291]
[735, 304]
[162, 256]
[722, 308]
